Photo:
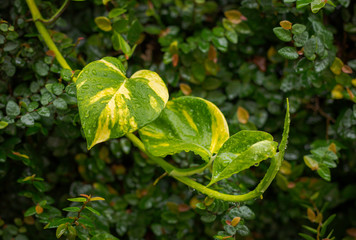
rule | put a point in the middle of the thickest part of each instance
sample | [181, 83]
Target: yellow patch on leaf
[242, 115]
[234, 16]
[311, 215]
[235, 221]
[39, 209]
[287, 25]
[185, 88]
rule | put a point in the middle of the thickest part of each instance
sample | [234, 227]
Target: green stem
[36, 16]
[258, 191]
[190, 171]
[57, 14]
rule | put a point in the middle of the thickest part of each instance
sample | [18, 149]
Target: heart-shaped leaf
[186, 124]
[111, 105]
[241, 151]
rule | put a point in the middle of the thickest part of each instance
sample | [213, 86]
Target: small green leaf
[220, 43]
[72, 233]
[186, 124]
[28, 120]
[60, 104]
[41, 68]
[298, 28]
[71, 209]
[333, 4]
[12, 109]
[288, 53]
[324, 172]
[246, 213]
[93, 210]
[103, 23]
[305, 236]
[134, 32]
[57, 88]
[31, 211]
[120, 43]
[282, 34]
[326, 223]
[316, 5]
[3, 124]
[44, 112]
[116, 12]
[242, 230]
[232, 36]
[303, 3]
[61, 230]
[78, 199]
[241, 151]
[230, 229]
[66, 74]
[312, 230]
[54, 223]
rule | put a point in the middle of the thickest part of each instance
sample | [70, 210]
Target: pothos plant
[112, 105]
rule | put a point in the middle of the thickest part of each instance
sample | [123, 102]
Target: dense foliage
[245, 56]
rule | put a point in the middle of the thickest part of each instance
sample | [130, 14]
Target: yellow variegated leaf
[186, 124]
[111, 105]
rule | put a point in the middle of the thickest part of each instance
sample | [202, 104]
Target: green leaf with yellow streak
[111, 105]
[186, 124]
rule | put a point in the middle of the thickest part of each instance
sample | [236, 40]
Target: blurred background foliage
[245, 56]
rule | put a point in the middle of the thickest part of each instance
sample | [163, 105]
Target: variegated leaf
[241, 151]
[111, 105]
[186, 124]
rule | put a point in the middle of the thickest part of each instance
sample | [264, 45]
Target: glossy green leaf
[303, 3]
[71, 209]
[103, 23]
[288, 53]
[316, 5]
[120, 43]
[300, 39]
[324, 172]
[93, 210]
[111, 105]
[12, 109]
[241, 151]
[298, 28]
[186, 124]
[3, 124]
[61, 230]
[78, 199]
[31, 211]
[326, 224]
[28, 120]
[282, 34]
[116, 12]
[305, 236]
[232, 36]
[54, 223]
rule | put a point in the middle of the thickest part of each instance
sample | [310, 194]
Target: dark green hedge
[246, 61]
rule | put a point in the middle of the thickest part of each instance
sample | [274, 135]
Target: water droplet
[105, 74]
[94, 72]
[80, 98]
[100, 86]
[85, 86]
[87, 114]
[86, 71]
[257, 164]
